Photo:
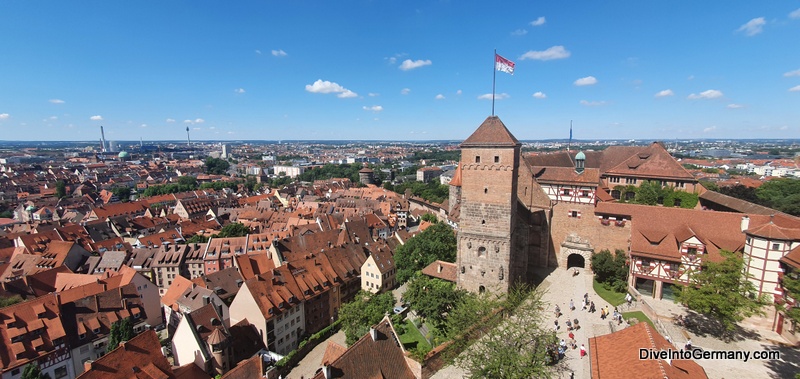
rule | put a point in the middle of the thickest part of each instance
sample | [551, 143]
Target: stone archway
[576, 260]
[574, 245]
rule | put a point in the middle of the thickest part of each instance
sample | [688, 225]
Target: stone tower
[487, 259]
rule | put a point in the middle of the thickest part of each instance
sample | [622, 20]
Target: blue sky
[397, 70]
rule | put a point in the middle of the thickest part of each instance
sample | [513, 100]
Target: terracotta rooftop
[138, 358]
[381, 357]
[616, 355]
[492, 132]
[442, 270]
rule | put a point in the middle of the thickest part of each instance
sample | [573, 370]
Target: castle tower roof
[491, 133]
[456, 181]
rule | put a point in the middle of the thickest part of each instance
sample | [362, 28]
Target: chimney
[326, 370]
[745, 223]
[87, 365]
[439, 270]
[374, 334]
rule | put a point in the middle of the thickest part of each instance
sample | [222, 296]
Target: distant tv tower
[102, 139]
[188, 140]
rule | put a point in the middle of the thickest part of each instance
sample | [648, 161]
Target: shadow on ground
[703, 326]
[786, 367]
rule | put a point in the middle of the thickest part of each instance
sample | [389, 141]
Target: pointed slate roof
[491, 133]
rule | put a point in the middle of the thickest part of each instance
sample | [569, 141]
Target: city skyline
[397, 71]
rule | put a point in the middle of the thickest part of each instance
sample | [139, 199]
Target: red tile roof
[616, 355]
[442, 270]
[139, 358]
[492, 132]
[20, 321]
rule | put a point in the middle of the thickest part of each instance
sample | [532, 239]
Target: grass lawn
[639, 316]
[412, 337]
[612, 297]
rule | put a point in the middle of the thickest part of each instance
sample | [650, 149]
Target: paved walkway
[309, 365]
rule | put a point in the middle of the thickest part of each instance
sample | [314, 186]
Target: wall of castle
[569, 218]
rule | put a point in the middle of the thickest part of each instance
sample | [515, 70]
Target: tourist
[558, 311]
[629, 299]
[571, 305]
[591, 307]
[583, 351]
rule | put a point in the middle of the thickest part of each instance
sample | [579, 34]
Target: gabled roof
[491, 133]
[651, 161]
[381, 357]
[792, 258]
[442, 270]
[616, 355]
[30, 323]
[139, 358]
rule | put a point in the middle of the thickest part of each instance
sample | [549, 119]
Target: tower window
[477, 159]
[496, 159]
[485, 189]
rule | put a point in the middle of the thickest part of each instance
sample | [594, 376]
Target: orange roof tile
[492, 132]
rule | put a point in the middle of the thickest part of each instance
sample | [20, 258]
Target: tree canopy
[720, 290]
[236, 229]
[32, 371]
[432, 299]
[438, 242]
[516, 348]
[611, 271]
[121, 331]
[61, 189]
[357, 316]
[791, 282]
[431, 191]
[216, 166]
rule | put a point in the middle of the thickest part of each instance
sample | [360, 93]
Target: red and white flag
[504, 65]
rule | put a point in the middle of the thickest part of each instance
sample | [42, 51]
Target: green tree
[742, 192]
[432, 299]
[122, 193]
[611, 271]
[720, 290]
[519, 347]
[781, 194]
[61, 189]
[216, 166]
[11, 300]
[188, 181]
[121, 331]
[32, 371]
[438, 242]
[430, 217]
[236, 229]
[648, 193]
[791, 283]
[197, 238]
[365, 310]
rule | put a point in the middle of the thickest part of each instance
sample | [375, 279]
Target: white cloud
[324, 86]
[53, 117]
[143, 126]
[4, 116]
[408, 64]
[690, 77]
[347, 94]
[96, 118]
[170, 120]
[374, 108]
[239, 90]
[279, 53]
[792, 73]
[587, 81]
[439, 97]
[709, 129]
[734, 106]
[459, 92]
[538, 22]
[753, 26]
[795, 14]
[57, 101]
[794, 89]
[497, 96]
[555, 52]
[371, 94]
[519, 32]
[258, 52]
[709, 94]
[785, 127]
[592, 103]
[540, 95]
[665, 93]
[405, 91]
[199, 121]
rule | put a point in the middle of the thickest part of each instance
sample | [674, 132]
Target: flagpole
[494, 76]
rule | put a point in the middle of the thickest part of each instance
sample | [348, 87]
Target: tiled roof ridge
[653, 346]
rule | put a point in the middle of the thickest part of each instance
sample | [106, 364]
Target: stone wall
[588, 227]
